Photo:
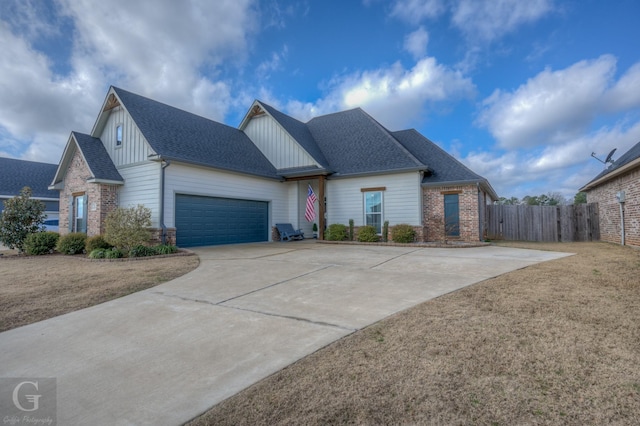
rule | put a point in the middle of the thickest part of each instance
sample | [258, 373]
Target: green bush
[142, 251]
[126, 228]
[41, 242]
[351, 230]
[113, 253]
[403, 233]
[385, 231]
[72, 243]
[96, 242]
[21, 216]
[98, 253]
[368, 234]
[337, 232]
[165, 249]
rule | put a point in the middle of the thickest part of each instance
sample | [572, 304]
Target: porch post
[321, 207]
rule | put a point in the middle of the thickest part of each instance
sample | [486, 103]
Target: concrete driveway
[164, 355]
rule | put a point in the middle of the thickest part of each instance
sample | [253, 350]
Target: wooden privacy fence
[577, 222]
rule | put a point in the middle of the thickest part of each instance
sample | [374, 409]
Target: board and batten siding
[134, 148]
[183, 179]
[401, 198]
[276, 144]
[142, 186]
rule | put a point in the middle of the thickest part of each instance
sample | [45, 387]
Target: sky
[522, 92]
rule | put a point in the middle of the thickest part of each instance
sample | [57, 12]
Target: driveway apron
[164, 355]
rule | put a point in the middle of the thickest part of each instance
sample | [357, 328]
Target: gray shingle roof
[16, 174]
[353, 143]
[97, 157]
[183, 136]
[626, 158]
[300, 132]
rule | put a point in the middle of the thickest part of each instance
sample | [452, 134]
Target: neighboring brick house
[617, 192]
[207, 183]
[16, 174]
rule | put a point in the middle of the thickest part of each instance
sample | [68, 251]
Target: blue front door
[451, 215]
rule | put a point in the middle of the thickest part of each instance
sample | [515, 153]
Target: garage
[205, 221]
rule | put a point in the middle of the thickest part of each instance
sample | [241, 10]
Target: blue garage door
[205, 221]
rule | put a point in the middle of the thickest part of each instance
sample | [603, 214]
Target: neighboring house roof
[95, 156]
[354, 143]
[16, 174]
[627, 161]
[178, 135]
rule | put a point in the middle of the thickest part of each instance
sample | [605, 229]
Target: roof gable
[627, 160]
[182, 136]
[95, 156]
[16, 174]
[354, 143]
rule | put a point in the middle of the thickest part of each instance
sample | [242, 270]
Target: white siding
[401, 199]
[134, 148]
[276, 144]
[306, 227]
[141, 186]
[181, 179]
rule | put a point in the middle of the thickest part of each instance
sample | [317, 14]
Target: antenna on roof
[609, 157]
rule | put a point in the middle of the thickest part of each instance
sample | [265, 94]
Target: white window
[119, 135]
[373, 209]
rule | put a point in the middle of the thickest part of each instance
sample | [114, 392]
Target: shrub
[165, 249]
[337, 232]
[385, 231]
[41, 242]
[96, 242]
[98, 253]
[127, 227]
[368, 234]
[142, 251]
[113, 253]
[72, 243]
[21, 216]
[403, 233]
[350, 229]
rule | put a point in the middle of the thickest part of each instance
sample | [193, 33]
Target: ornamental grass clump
[403, 233]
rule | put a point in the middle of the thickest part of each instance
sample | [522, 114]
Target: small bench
[287, 233]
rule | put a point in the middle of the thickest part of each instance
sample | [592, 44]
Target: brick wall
[101, 199]
[609, 208]
[433, 212]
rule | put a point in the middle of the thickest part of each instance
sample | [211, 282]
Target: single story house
[208, 183]
[16, 174]
[617, 192]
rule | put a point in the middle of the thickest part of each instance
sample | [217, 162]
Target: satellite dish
[609, 159]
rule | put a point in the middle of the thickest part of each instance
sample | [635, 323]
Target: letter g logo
[31, 398]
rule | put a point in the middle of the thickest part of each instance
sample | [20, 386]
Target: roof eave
[105, 181]
[378, 172]
[482, 182]
[317, 172]
[224, 169]
[611, 175]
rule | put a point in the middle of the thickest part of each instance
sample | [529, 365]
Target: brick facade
[101, 199]
[433, 212]
[609, 208]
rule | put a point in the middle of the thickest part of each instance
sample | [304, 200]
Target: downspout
[164, 165]
[481, 213]
[621, 199]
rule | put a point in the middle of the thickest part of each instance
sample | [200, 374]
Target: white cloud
[489, 20]
[478, 20]
[414, 11]
[416, 43]
[394, 95]
[556, 106]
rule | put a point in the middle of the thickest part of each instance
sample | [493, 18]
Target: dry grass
[34, 288]
[555, 343]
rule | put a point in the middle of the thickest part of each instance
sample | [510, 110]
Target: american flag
[310, 212]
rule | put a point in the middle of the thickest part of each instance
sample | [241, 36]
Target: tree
[580, 198]
[513, 201]
[21, 216]
[128, 227]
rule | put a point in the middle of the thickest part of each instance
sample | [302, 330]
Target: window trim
[119, 137]
[365, 192]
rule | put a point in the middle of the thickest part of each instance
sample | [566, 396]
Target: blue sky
[520, 91]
